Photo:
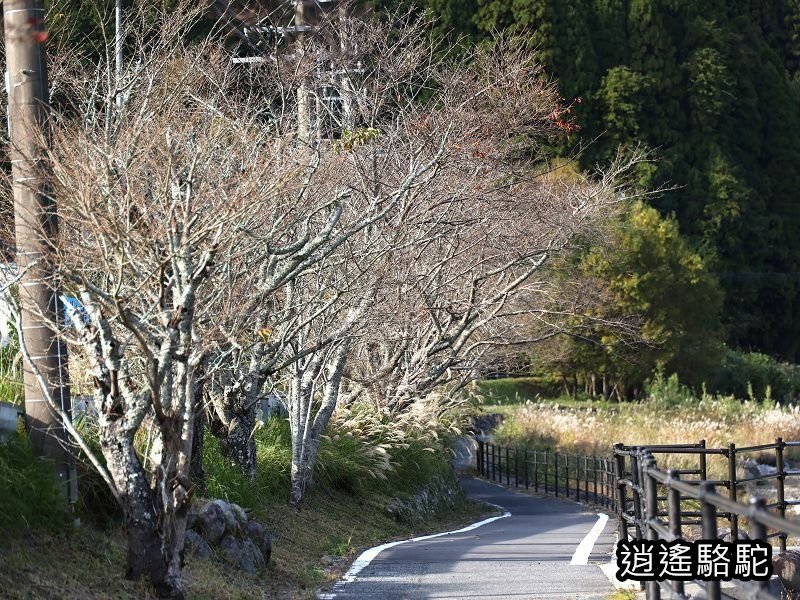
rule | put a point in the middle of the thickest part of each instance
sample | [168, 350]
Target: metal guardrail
[586, 478]
[652, 503]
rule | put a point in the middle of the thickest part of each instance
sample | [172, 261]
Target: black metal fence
[652, 503]
[585, 478]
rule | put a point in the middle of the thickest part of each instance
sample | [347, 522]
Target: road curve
[526, 555]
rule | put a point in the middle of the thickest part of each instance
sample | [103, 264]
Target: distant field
[592, 427]
[504, 395]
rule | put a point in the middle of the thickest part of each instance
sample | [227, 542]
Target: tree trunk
[197, 472]
[232, 420]
[236, 439]
[149, 554]
[304, 457]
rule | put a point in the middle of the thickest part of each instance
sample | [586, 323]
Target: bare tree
[407, 240]
[153, 198]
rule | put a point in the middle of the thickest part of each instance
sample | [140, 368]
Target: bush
[29, 493]
[273, 453]
[668, 392]
[756, 376]
[359, 456]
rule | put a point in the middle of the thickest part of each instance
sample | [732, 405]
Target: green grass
[11, 387]
[313, 546]
[504, 395]
[29, 494]
[499, 392]
[623, 595]
[344, 513]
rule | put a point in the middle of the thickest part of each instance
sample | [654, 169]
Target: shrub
[668, 392]
[756, 376]
[29, 493]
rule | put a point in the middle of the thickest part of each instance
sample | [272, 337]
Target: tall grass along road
[545, 549]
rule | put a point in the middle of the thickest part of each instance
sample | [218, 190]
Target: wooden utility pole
[35, 227]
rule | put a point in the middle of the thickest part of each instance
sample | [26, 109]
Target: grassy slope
[344, 513]
[312, 547]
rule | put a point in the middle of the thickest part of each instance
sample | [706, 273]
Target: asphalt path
[526, 555]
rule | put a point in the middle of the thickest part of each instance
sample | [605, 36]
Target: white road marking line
[581, 556]
[368, 556]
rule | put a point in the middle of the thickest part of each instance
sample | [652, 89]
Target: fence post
[586, 478]
[651, 514]
[619, 475]
[516, 467]
[546, 471]
[703, 462]
[566, 471]
[479, 457]
[780, 488]
[675, 528]
[594, 479]
[525, 458]
[709, 521]
[758, 531]
[555, 473]
[508, 470]
[637, 494]
[494, 462]
[732, 491]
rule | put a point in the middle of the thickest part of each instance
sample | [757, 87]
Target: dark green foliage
[29, 493]
[758, 376]
[713, 88]
[649, 272]
[357, 464]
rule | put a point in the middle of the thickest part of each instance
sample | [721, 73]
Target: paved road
[526, 555]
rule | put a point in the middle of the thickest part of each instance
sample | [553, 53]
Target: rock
[245, 556]
[195, 545]
[724, 534]
[191, 518]
[786, 566]
[240, 514]
[231, 524]
[211, 522]
[261, 538]
[231, 549]
[747, 468]
[252, 559]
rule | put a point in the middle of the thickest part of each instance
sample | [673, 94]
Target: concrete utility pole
[303, 108]
[35, 225]
[119, 38]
